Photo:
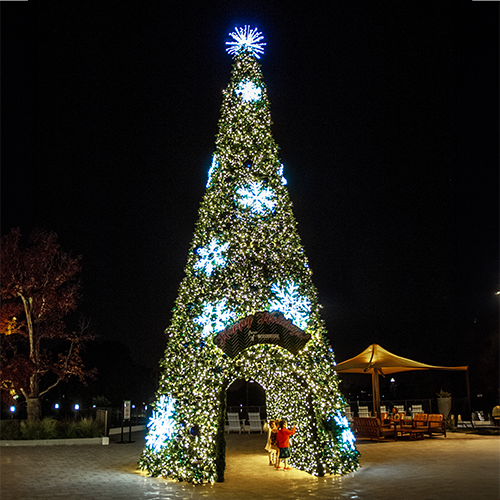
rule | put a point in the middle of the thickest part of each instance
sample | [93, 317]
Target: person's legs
[278, 459]
[275, 454]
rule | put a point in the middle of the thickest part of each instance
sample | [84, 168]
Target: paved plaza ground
[457, 467]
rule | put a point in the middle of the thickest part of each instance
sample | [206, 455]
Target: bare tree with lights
[39, 288]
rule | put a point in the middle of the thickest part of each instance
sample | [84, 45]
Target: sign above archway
[261, 328]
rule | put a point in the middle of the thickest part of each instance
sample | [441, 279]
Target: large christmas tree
[247, 307]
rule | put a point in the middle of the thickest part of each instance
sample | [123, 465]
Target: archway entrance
[244, 396]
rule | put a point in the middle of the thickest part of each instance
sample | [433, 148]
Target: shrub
[84, 428]
[39, 429]
[68, 429]
[9, 429]
[89, 428]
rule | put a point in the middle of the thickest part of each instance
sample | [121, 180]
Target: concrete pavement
[457, 467]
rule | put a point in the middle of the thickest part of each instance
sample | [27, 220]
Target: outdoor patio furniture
[364, 412]
[234, 422]
[348, 414]
[397, 417]
[495, 413]
[400, 408]
[420, 419]
[370, 427]
[416, 409]
[255, 422]
[435, 425]
[413, 427]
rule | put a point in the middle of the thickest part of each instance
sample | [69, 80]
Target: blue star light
[294, 306]
[211, 256]
[249, 91]
[257, 197]
[161, 424]
[247, 40]
[214, 318]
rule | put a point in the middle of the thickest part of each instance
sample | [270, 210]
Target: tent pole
[468, 392]
[376, 393]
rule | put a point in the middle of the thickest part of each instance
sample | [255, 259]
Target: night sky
[386, 114]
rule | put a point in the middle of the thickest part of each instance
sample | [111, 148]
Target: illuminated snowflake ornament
[257, 197]
[211, 256]
[161, 424]
[294, 306]
[280, 173]
[346, 436]
[246, 40]
[214, 318]
[249, 91]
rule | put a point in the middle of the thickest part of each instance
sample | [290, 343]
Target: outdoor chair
[420, 419]
[383, 409]
[416, 409]
[348, 414]
[435, 425]
[400, 408]
[255, 422]
[234, 422]
[364, 412]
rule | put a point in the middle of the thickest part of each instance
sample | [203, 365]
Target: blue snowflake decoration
[211, 256]
[344, 433]
[294, 306]
[161, 424]
[249, 91]
[257, 197]
[214, 165]
[247, 40]
[280, 173]
[214, 318]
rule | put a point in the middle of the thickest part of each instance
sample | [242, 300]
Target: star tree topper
[247, 40]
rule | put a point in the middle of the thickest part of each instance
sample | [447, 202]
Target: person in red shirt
[283, 439]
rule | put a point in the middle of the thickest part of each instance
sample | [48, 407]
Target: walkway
[458, 467]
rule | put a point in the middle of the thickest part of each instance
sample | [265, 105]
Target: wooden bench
[370, 427]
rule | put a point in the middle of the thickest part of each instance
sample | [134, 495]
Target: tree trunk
[34, 409]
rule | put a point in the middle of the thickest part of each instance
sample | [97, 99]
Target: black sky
[386, 114]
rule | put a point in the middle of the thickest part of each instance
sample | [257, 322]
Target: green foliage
[89, 428]
[68, 429]
[443, 394]
[84, 428]
[39, 429]
[49, 428]
[9, 429]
